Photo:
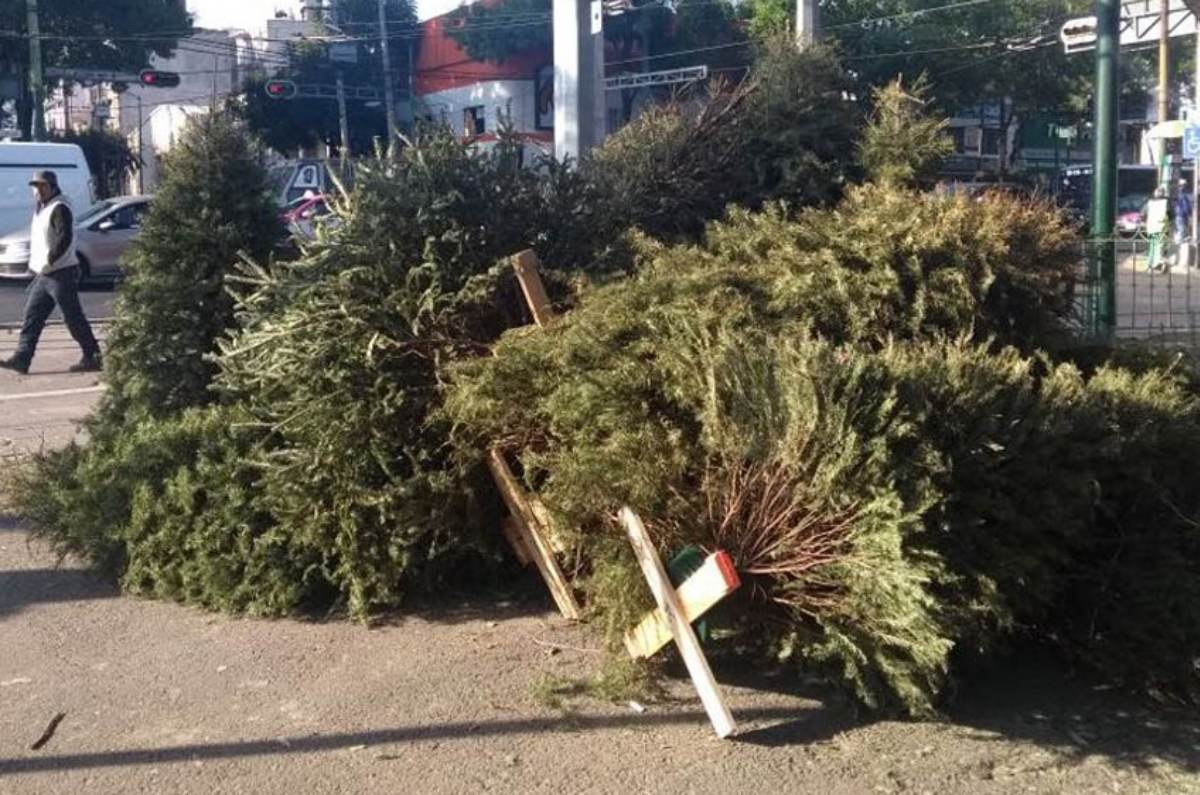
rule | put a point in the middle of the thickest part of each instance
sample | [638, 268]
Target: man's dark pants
[59, 287]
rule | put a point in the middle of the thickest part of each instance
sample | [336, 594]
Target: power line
[996, 56]
[916, 13]
[905, 53]
[748, 42]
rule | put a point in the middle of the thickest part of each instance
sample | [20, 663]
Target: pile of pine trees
[861, 391]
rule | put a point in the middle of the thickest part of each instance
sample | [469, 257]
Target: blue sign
[1191, 142]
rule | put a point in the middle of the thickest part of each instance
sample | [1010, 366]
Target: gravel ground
[159, 698]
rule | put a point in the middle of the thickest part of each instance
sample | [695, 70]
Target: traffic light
[156, 79]
[281, 89]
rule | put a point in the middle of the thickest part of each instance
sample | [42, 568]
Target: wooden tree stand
[532, 538]
[527, 528]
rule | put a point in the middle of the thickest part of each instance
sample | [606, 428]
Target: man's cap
[44, 178]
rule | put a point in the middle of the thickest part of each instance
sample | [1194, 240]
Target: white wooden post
[685, 637]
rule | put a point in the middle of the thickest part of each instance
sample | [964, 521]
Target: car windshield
[97, 209]
[1131, 204]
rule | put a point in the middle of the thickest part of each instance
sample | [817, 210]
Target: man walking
[1183, 212]
[56, 280]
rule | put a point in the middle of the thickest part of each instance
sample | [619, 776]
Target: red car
[300, 215]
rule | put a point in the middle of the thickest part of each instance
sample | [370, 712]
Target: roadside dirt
[158, 698]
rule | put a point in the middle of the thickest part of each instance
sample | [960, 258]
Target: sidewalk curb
[95, 321]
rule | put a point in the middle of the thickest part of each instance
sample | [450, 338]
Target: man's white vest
[39, 241]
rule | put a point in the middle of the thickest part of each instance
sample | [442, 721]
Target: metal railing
[1157, 292]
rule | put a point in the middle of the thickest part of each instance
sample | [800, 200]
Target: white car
[102, 234]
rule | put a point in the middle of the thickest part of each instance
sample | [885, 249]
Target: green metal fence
[1156, 296]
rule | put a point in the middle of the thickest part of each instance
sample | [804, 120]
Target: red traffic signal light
[156, 79]
[281, 89]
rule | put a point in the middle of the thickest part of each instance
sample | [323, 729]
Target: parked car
[102, 235]
[301, 215]
[1131, 215]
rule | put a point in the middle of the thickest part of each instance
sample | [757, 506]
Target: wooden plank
[698, 594]
[512, 531]
[546, 524]
[681, 629]
[535, 541]
[526, 265]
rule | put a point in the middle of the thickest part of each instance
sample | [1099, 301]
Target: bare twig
[46, 735]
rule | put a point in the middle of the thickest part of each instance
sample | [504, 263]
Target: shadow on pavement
[20, 588]
[572, 723]
[1034, 699]
[1029, 697]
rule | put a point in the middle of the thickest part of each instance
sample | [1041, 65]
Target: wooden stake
[546, 523]
[527, 266]
[698, 594]
[681, 629]
[531, 534]
[512, 531]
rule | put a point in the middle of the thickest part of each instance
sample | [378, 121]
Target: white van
[19, 160]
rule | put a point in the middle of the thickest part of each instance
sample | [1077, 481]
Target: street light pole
[37, 88]
[1104, 161]
[344, 124]
[141, 156]
[1164, 95]
[389, 94]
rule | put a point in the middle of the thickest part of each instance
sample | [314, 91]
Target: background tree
[101, 35]
[766, 18]
[289, 125]
[903, 144]
[108, 155]
[975, 54]
[1003, 54]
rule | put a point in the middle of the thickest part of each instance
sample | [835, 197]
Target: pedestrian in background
[1183, 212]
[56, 278]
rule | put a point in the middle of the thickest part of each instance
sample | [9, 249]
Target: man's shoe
[88, 364]
[15, 363]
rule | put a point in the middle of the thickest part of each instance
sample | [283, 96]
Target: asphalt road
[97, 301]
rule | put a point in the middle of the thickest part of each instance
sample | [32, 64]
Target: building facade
[478, 98]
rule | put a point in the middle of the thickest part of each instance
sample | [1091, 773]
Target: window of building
[474, 120]
[958, 135]
[991, 142]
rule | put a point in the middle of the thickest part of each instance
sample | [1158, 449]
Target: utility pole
[579, 102]
[37, 88]
[808, 22]
[389, 96]
[1104, 162]
[412, 87]
[344, 124]
[141, 156]
[1164, 94]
